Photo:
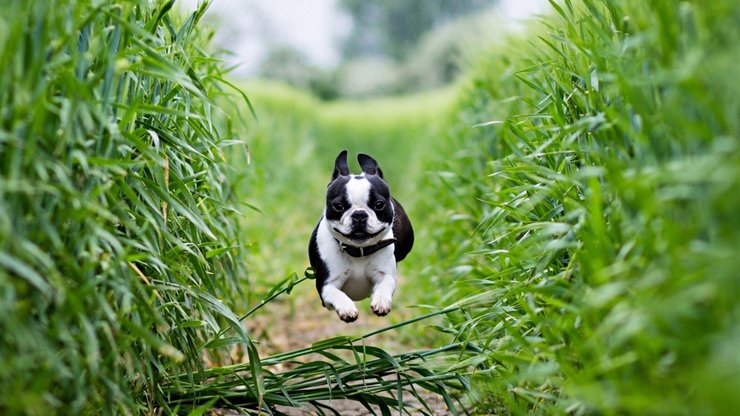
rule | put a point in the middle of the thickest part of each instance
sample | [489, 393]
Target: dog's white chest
[355, 276]
[358, 282]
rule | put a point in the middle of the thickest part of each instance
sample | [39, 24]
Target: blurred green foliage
[289, 65]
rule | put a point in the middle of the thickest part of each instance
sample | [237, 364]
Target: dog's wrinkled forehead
[357, 189]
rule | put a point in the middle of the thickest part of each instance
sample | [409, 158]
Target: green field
[574, 197]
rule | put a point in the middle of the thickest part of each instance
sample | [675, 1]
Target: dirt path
[298, 320]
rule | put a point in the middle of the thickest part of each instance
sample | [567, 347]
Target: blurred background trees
[391, 48]
[392, 28]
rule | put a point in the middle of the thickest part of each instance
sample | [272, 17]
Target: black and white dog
[355, 246]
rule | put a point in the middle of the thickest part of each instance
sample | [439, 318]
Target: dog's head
[358, 209]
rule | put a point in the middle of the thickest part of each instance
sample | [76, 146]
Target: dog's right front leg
[337, 300]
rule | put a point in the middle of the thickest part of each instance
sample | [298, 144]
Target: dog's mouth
[359, 235]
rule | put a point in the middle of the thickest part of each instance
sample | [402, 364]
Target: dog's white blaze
[358, 191]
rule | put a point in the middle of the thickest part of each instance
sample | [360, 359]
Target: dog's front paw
[381, 305]
[348, 315]
[335, 299]
[346, 310]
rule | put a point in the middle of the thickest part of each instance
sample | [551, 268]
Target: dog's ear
[340, 165]
[369, 165]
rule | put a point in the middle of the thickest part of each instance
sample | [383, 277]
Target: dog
[358, 240]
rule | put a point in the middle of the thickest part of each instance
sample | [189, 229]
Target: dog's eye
[338, 206]
[379, 205]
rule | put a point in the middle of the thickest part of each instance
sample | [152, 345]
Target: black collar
[364, 251]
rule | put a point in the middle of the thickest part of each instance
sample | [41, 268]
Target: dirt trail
[289, 324]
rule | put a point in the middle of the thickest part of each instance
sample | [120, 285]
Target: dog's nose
[359, 216]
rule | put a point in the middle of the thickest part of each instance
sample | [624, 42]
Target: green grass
[576, 210]
[122, 259]
[577, 207]
[118, 245]
[595, 237]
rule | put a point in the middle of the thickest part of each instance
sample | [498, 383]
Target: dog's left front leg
[385, 285]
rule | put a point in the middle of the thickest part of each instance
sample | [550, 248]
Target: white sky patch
[249, 28]
[522, 9]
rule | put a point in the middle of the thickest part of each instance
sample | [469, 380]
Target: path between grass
[292, 152]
